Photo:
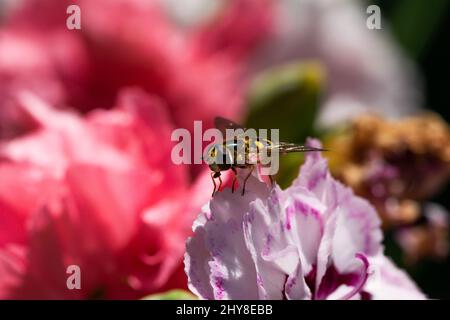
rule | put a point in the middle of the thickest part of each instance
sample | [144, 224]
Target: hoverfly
[225, 156]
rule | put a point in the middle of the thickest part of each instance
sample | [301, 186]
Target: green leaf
[289, 168]
[287, 98]
[176, 294]
[414, 22]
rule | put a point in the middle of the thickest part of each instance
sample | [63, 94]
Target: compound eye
[213, 152]
[210, 156]
[219, 158]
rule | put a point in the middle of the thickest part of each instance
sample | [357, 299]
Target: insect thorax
[239, 152]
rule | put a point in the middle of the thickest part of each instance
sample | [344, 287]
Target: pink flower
[198, 74]
[244, 26]
[314, 240]
[99, 192]
[50, 65]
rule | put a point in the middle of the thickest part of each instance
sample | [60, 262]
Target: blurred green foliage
[287, 98]
[176, 294]
[413, 22]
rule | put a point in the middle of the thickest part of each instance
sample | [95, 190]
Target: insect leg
[271, 180]
[246, 178]
[220, 180]
[233, 184]
[214, 183]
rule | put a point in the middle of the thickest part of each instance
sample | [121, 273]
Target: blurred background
[421, 28]
[81, 112]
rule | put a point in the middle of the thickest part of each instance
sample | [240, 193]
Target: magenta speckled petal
[314, 240]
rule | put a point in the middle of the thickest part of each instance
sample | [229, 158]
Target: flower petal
[263, 236]
[295, 287]
[357, 231]
[304, 224]
[388, 282]
[196, 261]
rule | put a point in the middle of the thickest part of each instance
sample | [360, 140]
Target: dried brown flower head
[397, 165]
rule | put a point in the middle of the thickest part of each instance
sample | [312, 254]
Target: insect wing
[284, 147]
[223, 124]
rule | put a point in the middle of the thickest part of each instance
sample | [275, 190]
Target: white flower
[314, 240]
